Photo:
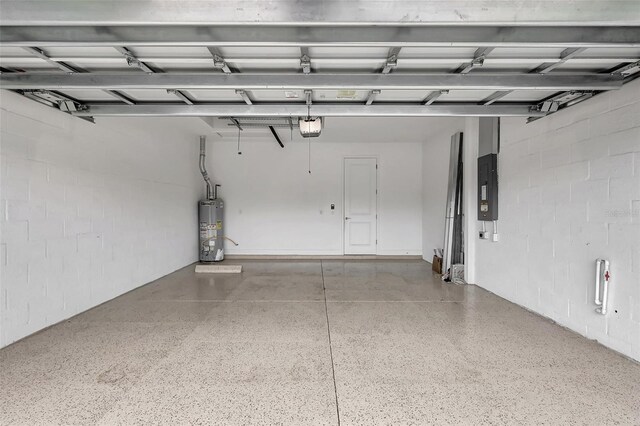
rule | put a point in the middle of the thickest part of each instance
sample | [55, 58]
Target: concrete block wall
[569, 194]
[89, 211]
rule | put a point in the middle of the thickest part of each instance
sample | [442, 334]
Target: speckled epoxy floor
[314, 343]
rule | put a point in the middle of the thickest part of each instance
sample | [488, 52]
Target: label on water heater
[208, 233]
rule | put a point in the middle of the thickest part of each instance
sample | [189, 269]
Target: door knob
[347, 218]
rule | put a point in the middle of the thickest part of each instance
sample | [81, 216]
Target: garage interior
[297, 212]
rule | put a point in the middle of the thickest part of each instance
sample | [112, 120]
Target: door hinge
[376, 242]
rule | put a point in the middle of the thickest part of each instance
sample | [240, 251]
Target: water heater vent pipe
[203, 170]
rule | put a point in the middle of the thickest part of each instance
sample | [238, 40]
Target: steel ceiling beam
[478, 60]
[395, 81]
[546, 67]
[71, 70]
[122, 12]
[300, 110]
[322, 35]
[255, 60]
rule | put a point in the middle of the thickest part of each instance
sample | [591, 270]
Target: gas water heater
[210, 217]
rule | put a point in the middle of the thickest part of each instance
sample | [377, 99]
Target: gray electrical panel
[488, 187]
[488, 149]
[211, 232]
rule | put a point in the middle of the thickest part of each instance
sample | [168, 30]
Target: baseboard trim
[319, 257]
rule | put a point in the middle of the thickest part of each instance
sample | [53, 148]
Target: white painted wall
[570, 193]
[88, 211]
[274, 206]
[435, 176]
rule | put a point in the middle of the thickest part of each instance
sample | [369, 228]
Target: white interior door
[360, 205]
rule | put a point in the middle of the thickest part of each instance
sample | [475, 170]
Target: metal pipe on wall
[203, 170]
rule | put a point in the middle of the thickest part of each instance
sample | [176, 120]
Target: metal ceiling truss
[404, 35]
[383, 12]
[300, 110]
[583, 84]
[328, 59]
[546, 67]
[566, 99]
[64, 102]
[478, 60]
[395, 81]
[125, 26]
